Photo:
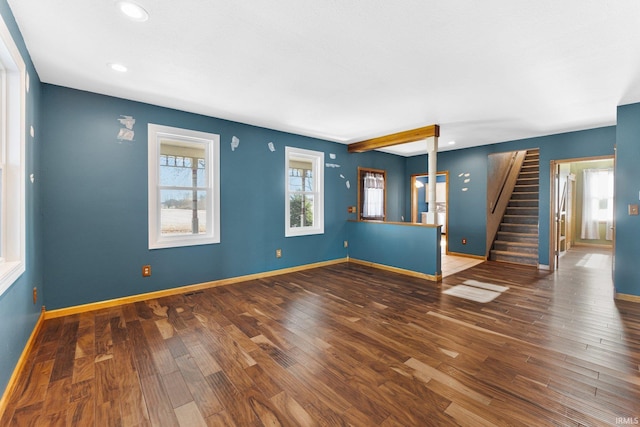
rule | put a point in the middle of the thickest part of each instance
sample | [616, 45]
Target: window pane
[304, 195]
[201, 173]
[177, 161]
[180, 215]
[301, 210]
[372, 194]
[300, 175]
[175, 176]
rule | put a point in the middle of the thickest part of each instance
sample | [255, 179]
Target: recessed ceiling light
[117, 67]
[452, 143]
[133, 11]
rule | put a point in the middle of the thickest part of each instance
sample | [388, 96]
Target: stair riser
[531, 211]
[505, 246]
[515, 203]
[526, 188]
[520, 219]
[517, 238]
[514, 259]
[518, 228]
[523, 195]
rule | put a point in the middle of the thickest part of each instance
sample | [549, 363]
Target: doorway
[581, 207]
[420, 198]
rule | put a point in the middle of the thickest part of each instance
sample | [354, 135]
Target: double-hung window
[184, 187]
[371, 194]
[304, 199]
[12, 161]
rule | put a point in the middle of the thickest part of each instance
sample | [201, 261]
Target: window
[597, 203]
[372, 194]
[304, 201]
[12, 161]
[184, 187]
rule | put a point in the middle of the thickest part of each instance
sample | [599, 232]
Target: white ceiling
[349, 70]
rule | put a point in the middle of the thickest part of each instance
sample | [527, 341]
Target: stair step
[519, 228]
[516, 247]
[528, 203]
[523, 210]
[508, 236]
[526, 195]
[527, 180]
[505, 256]
[526, 188]
[520, 219]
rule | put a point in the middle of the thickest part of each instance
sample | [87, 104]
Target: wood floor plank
[232, 399]
[143, 357]
[34, 388]
[65, 354]
[162, 358]
[132, 403]
[188, 415]
[161, 412]
[58, 396]
[292, 412]
[177, 390]
[345, 345]
[203, 395]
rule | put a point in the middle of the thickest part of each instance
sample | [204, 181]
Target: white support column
[432, 152]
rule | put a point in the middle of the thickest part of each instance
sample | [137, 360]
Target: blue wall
[95, 198]
[627, 188]
[18, 314]
[95, 201]
[467, 209]
[409, 247]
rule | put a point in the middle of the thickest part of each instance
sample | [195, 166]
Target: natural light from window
[184, 187]
[304, 200]
[12, 161]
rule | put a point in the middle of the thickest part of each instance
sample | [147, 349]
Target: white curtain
[597, 203]
[373, 203]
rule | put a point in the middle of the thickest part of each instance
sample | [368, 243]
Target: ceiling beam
[395, 139]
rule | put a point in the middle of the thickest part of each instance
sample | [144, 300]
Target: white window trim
[157, 133]
[317, 158]
[12, 265]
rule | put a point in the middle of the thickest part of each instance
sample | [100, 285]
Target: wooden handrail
[504, 181]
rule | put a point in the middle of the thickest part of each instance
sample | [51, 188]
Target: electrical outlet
[346, 243]
[146, 270]
[464, 241]
[278, 253]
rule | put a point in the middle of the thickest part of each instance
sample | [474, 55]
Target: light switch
[633, 209]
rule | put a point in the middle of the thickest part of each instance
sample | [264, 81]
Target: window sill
[179, 242]
[296, 232]
[9, 273]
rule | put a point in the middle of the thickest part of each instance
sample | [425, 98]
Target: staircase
[517, 237]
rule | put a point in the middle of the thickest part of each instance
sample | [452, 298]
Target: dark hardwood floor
[347, 345]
